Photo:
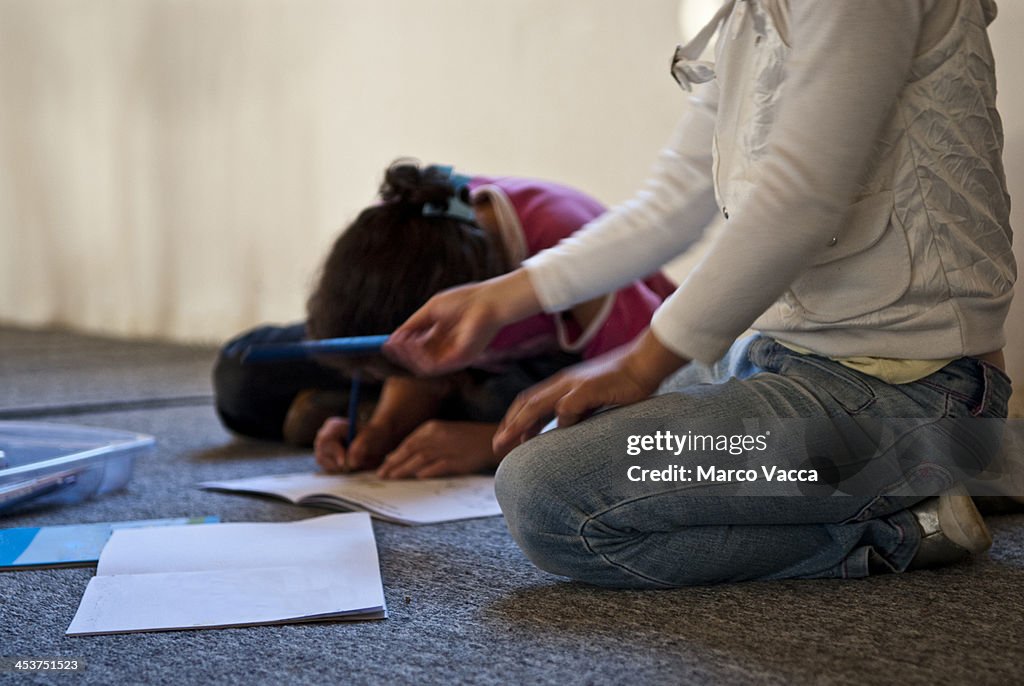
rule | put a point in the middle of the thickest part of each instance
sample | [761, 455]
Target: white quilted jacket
[911, 258]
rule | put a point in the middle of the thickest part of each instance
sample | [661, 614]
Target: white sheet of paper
[340, 541]
[222, 598]
[407, 501]
[233, 575]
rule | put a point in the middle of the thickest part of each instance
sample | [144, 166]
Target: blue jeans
[572, 511]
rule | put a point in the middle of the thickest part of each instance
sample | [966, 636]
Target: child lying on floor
[432, 230]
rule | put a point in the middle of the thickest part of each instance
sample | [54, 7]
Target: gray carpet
[58, 372]
[465, 605]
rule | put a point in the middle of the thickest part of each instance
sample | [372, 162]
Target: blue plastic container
[60, 464]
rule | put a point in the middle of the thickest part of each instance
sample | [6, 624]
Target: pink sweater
[536, 215]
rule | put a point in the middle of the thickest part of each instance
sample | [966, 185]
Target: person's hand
[371, 444]
[621, 377]
[440, 448]
[454, 327]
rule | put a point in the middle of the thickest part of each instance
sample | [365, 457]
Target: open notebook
[224, 575]
[403, 501]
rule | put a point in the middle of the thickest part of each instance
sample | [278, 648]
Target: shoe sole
[961, 522]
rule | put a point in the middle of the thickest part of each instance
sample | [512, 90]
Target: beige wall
[177, 167]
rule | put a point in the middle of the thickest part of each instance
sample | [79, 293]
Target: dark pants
[253, 399]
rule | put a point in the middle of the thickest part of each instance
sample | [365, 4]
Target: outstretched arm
[623, 376]
[627, 243]
[454, 327]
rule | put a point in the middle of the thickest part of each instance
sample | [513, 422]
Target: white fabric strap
[687, 69]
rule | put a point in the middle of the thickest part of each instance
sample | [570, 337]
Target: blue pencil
[353, 407]
[343, 347]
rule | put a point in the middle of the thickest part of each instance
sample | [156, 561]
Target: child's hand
[371, 444]
[623, 376]
[454, 327]
[439, 448]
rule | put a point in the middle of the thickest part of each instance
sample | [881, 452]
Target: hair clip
[457, 208]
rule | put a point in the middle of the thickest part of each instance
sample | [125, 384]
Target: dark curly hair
[393, 257]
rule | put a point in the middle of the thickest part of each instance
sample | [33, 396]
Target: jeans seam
[986, 388]
[948, 391]
[989, 367]
[947, 408]
[596, 515]
[864, 513]
[852, 380]
[902, 533]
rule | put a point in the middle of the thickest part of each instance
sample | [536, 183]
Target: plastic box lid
[58, 464]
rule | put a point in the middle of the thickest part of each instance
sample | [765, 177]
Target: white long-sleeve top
[819, 110]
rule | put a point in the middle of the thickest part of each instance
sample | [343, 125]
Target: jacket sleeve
[635, 239]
